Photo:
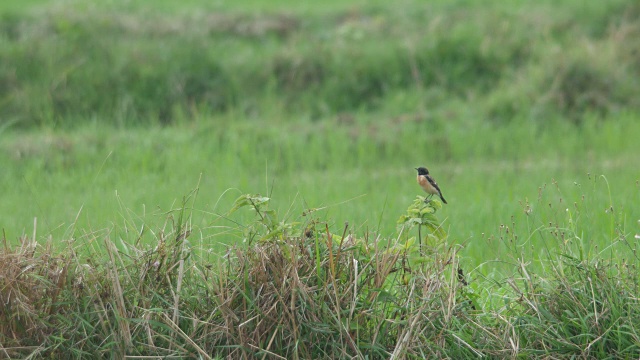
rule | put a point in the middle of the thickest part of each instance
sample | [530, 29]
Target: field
[124, 122]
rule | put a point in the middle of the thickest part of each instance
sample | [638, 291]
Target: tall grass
[294, 289]
[63, 68]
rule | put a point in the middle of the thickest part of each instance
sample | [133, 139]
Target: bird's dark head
[422, 171]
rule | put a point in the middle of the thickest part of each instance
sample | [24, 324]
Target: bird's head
[422, 171]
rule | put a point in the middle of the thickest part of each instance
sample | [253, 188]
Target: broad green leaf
[243, 200]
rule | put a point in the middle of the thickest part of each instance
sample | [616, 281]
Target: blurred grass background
[112, 112]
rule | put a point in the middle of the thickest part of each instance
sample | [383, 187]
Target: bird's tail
[442, 197]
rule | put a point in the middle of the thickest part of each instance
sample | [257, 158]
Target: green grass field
[527, 114]
[94, 179]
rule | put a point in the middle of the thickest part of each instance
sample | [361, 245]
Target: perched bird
[428, 184]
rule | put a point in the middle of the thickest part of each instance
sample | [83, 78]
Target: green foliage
[576, 299]
[268, 227]
[128, 66]
[422, 213]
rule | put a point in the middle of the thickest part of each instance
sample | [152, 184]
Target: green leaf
[410, 242]
[259, 200]
[436, 204]
[243, 200]
[427, 210]
[249, 200]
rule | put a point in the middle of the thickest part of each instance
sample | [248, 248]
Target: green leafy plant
[422, 214]
[268, 227]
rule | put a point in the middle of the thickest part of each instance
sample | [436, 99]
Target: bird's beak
[416, 168]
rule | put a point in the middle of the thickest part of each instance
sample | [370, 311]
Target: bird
[428, 184]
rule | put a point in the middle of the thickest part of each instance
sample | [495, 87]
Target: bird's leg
[428, 198]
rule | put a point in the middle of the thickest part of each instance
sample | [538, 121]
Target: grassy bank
[68, 63]
[295, 289]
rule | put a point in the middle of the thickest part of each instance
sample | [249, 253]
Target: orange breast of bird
[424, 183]
[422, 180]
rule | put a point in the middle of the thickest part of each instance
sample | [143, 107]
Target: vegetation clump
[297, 290]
